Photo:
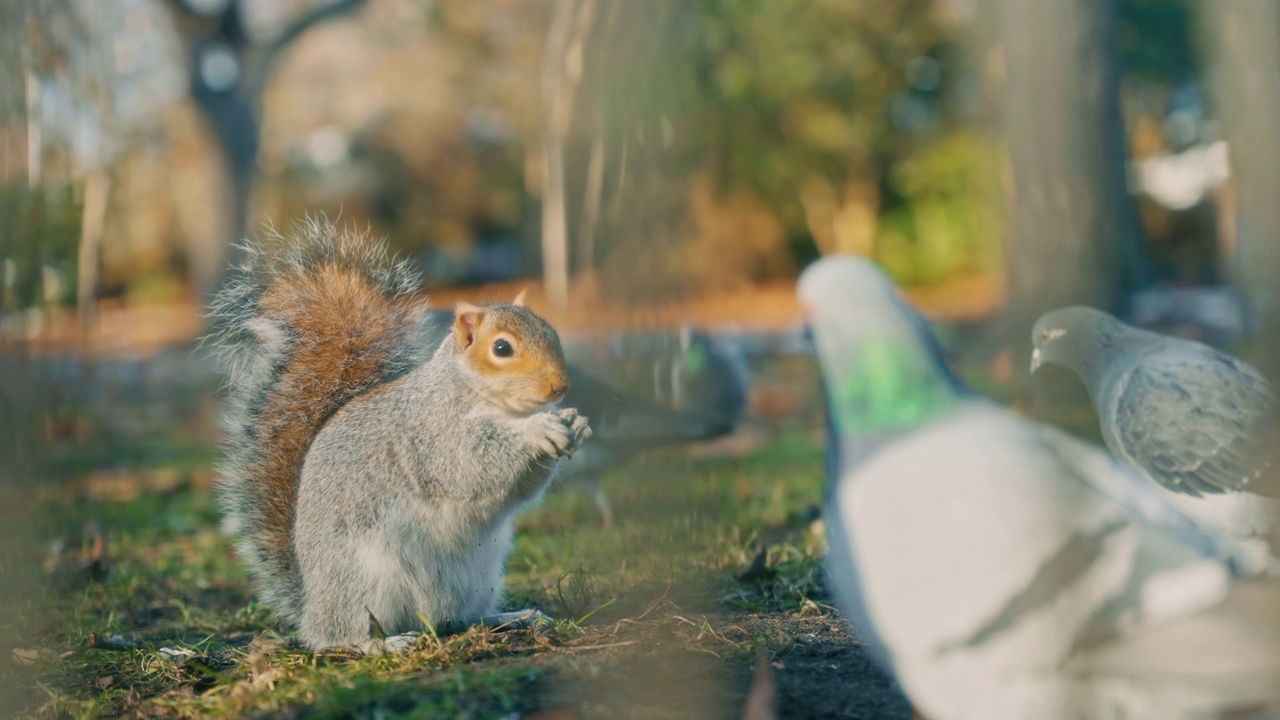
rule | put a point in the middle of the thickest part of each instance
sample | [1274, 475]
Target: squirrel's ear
[520, 298]
[466, 318]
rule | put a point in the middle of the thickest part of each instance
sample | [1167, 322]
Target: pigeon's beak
[1035, 360]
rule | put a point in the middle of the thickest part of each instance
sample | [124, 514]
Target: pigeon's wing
[1196, 423]
[1105, 475]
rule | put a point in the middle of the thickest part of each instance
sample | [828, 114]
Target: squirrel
[372, 480]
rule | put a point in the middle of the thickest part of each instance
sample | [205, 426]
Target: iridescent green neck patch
[888, 385]
[695, 360]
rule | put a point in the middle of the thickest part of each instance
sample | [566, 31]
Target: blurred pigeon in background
[1195, 420]
[698, 393]
[624, 424]
[685, 370]
[1001, 568]
[1215, 314]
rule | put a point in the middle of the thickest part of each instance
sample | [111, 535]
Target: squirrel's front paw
[577, 424]
[558, 433]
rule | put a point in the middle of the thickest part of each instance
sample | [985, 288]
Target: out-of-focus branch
[311, 19]
[228, 75]
[591, 199]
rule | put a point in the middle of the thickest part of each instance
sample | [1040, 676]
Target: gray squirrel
[372, 480]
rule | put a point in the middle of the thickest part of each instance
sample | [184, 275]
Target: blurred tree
[949, 220]
[809, 103]
[1243, 40]
[789, 109]
[640, 106]
[1073, 232]
[20, 441]
[1153, 38]
[229, 69]
[70, 140]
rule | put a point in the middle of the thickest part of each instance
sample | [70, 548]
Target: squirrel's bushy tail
[309, 321]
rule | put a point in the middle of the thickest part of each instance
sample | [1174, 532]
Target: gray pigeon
[1001, 568]
[685, 370]
[1193, 419]
[625, 423]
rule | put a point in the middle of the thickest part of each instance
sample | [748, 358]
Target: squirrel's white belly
[442, 576]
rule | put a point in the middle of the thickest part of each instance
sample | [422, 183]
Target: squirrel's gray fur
[399, 505]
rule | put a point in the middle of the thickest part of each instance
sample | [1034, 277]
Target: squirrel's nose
[560, 389]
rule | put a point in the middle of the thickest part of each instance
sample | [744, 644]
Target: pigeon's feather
[1106, 476]
[1193, 421]
[1194, 666]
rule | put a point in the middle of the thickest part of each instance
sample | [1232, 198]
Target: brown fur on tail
[312, 322]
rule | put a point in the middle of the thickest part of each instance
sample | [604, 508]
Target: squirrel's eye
[502, 348]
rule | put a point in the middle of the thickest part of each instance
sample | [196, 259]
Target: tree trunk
[97, 190]
[1244, 82]
[555, 225]
[562, 69]
[1073, 233]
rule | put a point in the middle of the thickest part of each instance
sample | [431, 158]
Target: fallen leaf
[25, 657]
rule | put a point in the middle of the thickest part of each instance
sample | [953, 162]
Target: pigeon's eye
[502, 348]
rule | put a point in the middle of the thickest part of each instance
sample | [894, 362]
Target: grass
[649, 613]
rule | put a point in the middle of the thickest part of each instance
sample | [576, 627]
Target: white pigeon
[1192, 419]
[1002, 569]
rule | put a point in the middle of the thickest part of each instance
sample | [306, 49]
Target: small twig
[586, 617]
[601, 646]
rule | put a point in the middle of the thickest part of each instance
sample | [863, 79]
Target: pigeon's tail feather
[1229, 655]
[1106, 475]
